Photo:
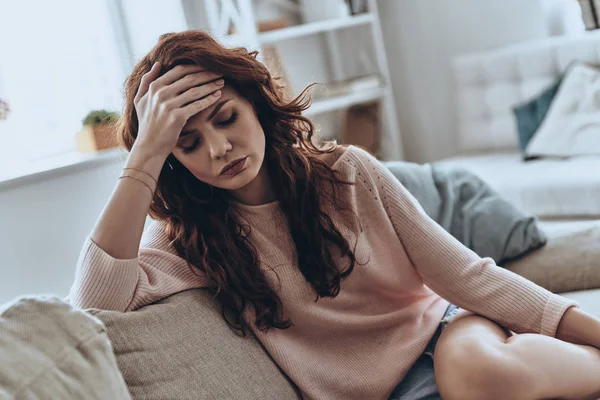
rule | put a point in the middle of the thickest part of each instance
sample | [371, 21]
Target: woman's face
[224, 145]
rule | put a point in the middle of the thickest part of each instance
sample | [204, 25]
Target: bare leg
[475, 358]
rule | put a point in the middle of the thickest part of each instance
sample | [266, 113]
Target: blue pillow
[531, 114]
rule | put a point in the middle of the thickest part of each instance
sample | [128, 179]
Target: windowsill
[50, 167]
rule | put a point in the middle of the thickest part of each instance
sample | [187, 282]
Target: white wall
[423, 36]
[148, 19]
[43, 224]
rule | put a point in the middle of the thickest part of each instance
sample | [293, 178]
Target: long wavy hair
[201, 222]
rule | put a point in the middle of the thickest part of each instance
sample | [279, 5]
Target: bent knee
[467, 370]
[470, 362]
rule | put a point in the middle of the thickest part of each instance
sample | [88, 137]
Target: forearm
[579, 327]
[119, 228]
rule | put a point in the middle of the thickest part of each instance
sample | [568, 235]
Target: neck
[259, 191]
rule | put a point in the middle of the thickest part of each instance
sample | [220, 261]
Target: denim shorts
[419, 383]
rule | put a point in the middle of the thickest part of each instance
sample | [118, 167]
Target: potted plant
[99, 131]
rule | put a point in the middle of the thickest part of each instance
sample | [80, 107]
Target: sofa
[563, 193]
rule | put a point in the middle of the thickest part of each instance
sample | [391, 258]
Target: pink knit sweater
[360, 344]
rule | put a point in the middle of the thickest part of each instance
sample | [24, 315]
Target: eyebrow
[210, 116]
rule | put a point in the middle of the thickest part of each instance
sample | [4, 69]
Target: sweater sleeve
[107, 283]
[455, 272]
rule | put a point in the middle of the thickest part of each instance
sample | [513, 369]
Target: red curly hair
[206, 233]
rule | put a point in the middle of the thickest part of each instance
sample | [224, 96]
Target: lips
[233, 166]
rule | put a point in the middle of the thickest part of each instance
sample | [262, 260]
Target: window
[58, 61]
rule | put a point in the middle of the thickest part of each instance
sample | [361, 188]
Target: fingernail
[217, 93]
[220, 82]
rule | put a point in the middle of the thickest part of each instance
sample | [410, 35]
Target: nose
[218, 145]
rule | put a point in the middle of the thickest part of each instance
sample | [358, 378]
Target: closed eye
[228, 121]
[192, 147]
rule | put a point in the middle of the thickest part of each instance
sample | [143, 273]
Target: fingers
[189, 81]
[176, 73]
[197, 92]
[200, 105]
[181, 77]
[147, 79]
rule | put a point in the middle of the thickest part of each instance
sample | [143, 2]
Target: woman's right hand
[165, 104]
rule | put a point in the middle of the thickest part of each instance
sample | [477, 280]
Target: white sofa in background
[488, 85]
[564, 193]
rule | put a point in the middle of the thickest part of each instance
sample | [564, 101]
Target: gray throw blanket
[470, 210]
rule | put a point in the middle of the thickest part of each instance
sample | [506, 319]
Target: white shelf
[340, 102]
[237, 39]
[315, 27]
[47, 167]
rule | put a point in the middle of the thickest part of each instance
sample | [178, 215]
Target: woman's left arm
[458, 274]
[579, 327]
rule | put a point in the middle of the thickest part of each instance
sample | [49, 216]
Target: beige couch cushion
[50, 350]
[570, 260]
[180, 348]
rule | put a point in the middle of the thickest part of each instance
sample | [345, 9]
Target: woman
[317, 249]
